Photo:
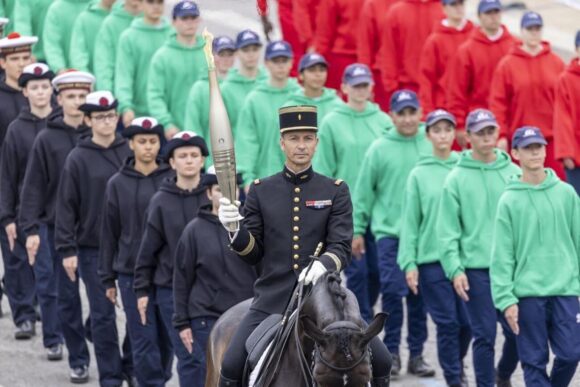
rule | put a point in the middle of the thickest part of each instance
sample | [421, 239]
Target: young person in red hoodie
[523, 88]
[304, 16]
[336, 36]
[567, 119]
[371, 25]
[471, 69]
[407, 26]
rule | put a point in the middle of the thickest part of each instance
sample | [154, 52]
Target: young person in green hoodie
[313, 73]
[535, 264]
[345, 135]
[115, 23]
[57, 32]
[241, 81]
[378, 195]
[418, 256]
[85, 32]
[465, 227]
[29, 16]
[175, 67]
[257, 131]
[137, 46]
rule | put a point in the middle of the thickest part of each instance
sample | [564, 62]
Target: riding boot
[383, 381]
[225, 382]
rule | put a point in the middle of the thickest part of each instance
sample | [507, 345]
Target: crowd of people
[106, 176]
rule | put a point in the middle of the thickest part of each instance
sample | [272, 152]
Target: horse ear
[374, 328]
[311, 330]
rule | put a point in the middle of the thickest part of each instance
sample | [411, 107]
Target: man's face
[249, 56]
[532, 36]
[455, 10]
[13, 64]
[531, 157]
[187, 161]
[145, 147]
[70, 100]
[224, 60]
[279, 68]
[442, 135]
[152, 9]
[359, 93]
[407, 121]
[103, 124]
[314, 76]
[490, 20]
[186, 26]
[299, 146]
[484, 141]
[38, 92]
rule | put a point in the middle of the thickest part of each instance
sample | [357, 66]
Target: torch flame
[208, 49]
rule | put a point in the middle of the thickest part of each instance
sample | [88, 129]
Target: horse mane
[335, 290]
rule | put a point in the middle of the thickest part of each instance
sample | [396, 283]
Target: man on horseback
[285, 217]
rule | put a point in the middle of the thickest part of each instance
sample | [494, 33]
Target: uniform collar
[297, 178]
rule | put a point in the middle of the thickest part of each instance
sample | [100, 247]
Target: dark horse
[331, 333]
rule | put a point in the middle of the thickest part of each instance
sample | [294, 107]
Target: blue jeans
[394, 289]
[573, 178]
[362, 278]
[200, 328]
[552, 320]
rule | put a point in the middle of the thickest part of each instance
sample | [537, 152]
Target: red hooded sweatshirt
[439, 48]
[337, 25]
[523, 88]
[371, 25]
[304, 13]
[407, 26]
[567, 114]
[471, 71]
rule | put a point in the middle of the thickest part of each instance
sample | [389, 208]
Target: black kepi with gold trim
[296, 118]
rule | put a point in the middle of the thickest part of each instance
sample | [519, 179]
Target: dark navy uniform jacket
[285, 217]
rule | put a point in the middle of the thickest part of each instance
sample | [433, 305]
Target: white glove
[229, 213]
[316, 271]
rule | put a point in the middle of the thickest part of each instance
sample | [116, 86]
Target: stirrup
[383, 381]
[225, 382]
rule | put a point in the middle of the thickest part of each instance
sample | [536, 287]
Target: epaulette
[257, 181]
[338, 182]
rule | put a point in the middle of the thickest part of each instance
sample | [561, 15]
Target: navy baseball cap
[440, 115]
[185, 8]
[310, 60]
[247, 38]
[402, 99]
[488, 5]
[479, 119]
[279, 49]
[357, 74]
[577, 41]
[221, 43]
[531, 19]
[528, 135]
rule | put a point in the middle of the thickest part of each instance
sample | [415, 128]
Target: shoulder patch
[338, 182]
[257, 181]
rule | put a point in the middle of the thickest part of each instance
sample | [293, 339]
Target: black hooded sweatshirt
[208, 278]
[11, 102]
[14, 156]
[168, 213]
[126, 199]
[81, 193]
[45, 165]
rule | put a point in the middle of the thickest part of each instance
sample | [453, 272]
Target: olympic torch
[222, 141]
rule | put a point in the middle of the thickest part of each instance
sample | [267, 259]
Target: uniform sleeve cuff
[330, 261]
[142, 292]
[243, 243]
[68, 252]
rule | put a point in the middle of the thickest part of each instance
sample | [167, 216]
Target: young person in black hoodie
[126, 199]
[169, 211]
[79, 206]
[208, 278]
[35, 82]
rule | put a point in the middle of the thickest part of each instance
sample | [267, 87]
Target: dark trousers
[186, 366]
[235, 357]
[450, 317]
[553, 320]
[151, 349]
[362, 278]
[19, 284]
[394, 289]
[573, 178]
[484, 318]
[200, 328]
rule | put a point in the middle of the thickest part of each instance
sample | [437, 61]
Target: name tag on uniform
[318, 203]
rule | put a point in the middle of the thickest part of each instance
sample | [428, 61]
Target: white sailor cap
[144, 125]
[35, 71]
[99, 101]
[14, 43]
[73, 79]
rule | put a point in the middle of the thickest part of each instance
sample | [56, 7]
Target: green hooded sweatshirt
[106, 46]
[235, 89]
[29, 16]
[197, 112]
[85, 32]
[345, 136]
[378, 194]
[136, 48]
[258, 133]
[468, 205]
[419, 243]
[58, 29]
[326, 103]
[7, 11]
[536, 249]
[174, 69]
